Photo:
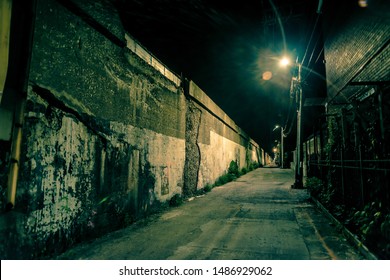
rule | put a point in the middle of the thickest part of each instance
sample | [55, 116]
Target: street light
[284, 61]
[299, 97]
[281, 143]
[296, 88]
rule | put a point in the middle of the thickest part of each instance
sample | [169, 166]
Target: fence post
[343, 154]
[385, 184]
[359, 146]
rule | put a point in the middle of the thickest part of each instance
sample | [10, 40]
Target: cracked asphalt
[256, 217]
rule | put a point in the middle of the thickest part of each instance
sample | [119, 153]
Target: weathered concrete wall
[103, 136]
[220, 140]
[106, 137]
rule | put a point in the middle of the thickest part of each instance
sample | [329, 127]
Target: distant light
[284, 61]
[363, 3]
[267, 75]
[275, 150]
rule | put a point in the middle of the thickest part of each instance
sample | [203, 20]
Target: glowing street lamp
[296, 88]
[284, 61]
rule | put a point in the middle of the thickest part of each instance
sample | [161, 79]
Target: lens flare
[363, 3]
[267, 75]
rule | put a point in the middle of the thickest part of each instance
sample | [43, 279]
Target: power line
[290, 113]
[311, 37]
[311, 69]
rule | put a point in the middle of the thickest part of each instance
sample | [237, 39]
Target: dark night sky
[225, 47]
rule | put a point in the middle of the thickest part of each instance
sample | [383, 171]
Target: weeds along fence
[350, 153]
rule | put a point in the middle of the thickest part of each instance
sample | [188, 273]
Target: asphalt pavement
[257, 217]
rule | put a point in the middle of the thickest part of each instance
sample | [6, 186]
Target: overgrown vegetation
[208, 188]
[314, 186]
[231, 174]
[253, 166]
[351, 155]
[176, 200]
[318, 189]
[233, 169]
[371, 224]
[222, 180]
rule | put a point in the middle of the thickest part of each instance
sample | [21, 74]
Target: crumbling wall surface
[107, 138]
[193, 153]
[88, 67]
[77, 183]
[220, 140]
[103, 139]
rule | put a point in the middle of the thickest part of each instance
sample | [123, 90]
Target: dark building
[349, 147]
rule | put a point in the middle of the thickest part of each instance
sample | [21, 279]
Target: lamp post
[281, 144]
[296, 89]
[299, 99]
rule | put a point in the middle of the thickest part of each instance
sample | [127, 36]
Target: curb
[349, 235]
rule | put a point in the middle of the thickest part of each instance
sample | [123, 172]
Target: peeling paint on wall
[106, 139]
[74, 180]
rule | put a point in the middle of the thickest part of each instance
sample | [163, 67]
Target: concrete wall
[220, 140]
[107, 137]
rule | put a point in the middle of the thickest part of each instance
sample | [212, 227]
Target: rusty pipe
[15, 154]
[5, 30]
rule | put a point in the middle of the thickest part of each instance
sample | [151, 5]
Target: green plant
[318, 189]
[369, 220]
[233, 169]
[253, 165]
[327, 195]
[226, 178]
[372, 225]
[176, 200]
[314, 186]
[332, 135]
[233, 172]
[243, 171]
[385, 227]
[208, 188]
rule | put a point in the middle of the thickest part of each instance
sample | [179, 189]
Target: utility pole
[281, 147]
[296, 88]
[298, 165]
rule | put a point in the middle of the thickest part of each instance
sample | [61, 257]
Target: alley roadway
[258, 216]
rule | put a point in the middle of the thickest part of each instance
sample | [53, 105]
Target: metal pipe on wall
[15, 154]
[5, 30]
[21, 29]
